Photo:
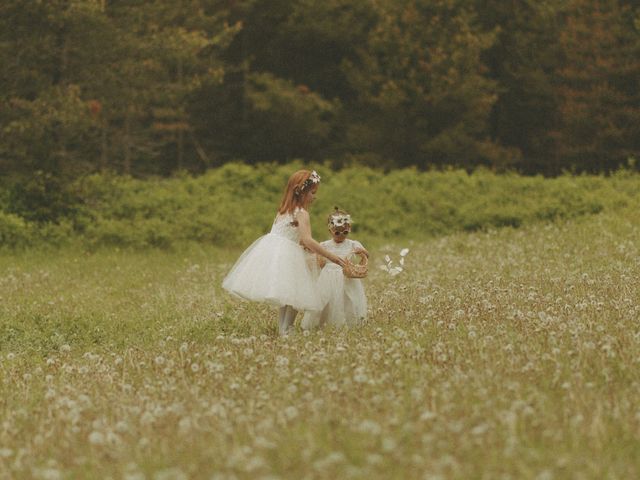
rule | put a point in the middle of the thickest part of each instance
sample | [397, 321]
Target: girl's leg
[282, 325]
[290, 316]
[287, 315]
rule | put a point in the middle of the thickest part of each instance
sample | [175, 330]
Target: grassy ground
[507, 354]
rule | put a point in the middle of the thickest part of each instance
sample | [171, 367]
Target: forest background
[94, 89]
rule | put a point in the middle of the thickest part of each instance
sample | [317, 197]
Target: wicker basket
[356, 266]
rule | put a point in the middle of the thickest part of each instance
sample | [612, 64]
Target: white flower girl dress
[344, 302]
[276, 269]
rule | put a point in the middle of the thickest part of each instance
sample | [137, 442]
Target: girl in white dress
[275, 268]
[344, 302]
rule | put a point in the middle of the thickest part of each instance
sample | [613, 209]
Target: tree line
[154, 87]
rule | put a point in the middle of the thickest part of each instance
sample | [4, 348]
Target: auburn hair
[294, 195]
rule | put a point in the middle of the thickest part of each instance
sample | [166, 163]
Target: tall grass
[510, 353]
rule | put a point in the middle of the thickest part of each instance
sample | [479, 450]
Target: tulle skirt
[344, 302]
[275, 270]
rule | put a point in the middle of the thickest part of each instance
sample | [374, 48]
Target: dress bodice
[343, 249]
[284, 226]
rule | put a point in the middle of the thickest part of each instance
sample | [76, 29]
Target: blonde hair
[295, 192]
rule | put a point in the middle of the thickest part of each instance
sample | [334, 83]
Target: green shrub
[14, 231]
[232, 205]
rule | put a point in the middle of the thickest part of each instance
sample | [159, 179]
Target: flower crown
[339, 220]
[313, 179]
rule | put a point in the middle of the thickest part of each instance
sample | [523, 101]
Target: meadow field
[499, 354]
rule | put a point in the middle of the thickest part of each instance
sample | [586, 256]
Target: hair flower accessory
[313, 179]
[339, 220]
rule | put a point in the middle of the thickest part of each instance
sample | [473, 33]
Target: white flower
[170, 474]
[133, 476]
[147, 418]
[5, 452]
[370, 427]
[404, 252]
[291, 412]
[122, 427]
[427, 415]
[47, 474]
[185, 425]
[96, 438]
[282, 361]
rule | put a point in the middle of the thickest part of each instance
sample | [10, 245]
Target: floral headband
[339, 220]
[313, 179]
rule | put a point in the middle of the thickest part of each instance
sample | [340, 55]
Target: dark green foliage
[155, 88]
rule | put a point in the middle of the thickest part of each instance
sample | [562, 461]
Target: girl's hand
[339, 261]
[362, 251]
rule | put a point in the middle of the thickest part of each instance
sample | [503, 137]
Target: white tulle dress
[344, 302]
[276, 269]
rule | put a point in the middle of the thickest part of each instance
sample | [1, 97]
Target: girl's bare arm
[304, 228]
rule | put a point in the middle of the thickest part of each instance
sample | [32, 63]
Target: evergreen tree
[598, 86]
[422, 94]
[522, 61]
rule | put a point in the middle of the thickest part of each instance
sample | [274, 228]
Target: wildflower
[147, 418]
[133, 476]
[282, 361]
[96, 438]
[170, 474]
[370, 427]
[291, 412]
[360, 375]
[254, 463]
[122, 427]
[427, 415]
[388, 444]
[48, 473]
[332, 459]
[184, 425]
